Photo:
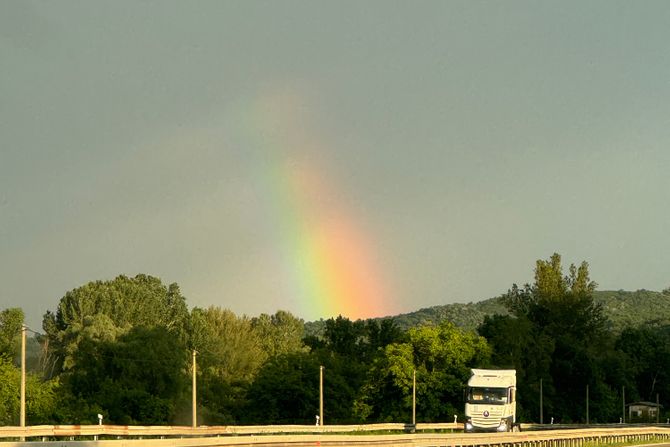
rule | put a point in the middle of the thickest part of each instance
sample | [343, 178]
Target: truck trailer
[490, 401]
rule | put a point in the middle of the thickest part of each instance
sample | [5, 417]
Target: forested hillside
[466, 316]
[631, 309]
[623, 309]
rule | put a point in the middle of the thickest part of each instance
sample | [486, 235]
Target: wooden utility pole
[587, 404]
[623, 404]
[194, 395]
[414, 398]
[541, 415]
[321, 395]
[23, 378]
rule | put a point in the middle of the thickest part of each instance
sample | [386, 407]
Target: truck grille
[490, 421]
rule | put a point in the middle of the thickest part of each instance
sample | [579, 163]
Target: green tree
[280, 333]
[358, 340]
[110, 308]
[10, 379]
[347, 349]
[386, 394]
[381, 333]
[286, 391]
[230, 349]
[11, 321]
[230, 354]
[137, 378]
[566, 341]
[41, 396]
[42, 399]
[345, 337]
[647, 357]
[442, 356]
[517, 344]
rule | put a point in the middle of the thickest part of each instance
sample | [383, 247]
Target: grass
[626, 443]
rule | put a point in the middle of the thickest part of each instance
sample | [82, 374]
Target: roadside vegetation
[123, 348]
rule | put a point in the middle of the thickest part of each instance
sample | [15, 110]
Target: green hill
[631, 309]
[624, 309]
[467, 316]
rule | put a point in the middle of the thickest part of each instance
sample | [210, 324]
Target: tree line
[123, 348]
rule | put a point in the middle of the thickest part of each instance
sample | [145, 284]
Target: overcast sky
[365, 158]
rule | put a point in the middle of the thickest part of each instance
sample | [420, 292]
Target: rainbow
[327, 261]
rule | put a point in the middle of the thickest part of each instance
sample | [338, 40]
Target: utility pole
[194, 410]
[23, 378]
[623, 404]
[321, 395]
[541, 415]
[658, 409]
[587, 404]
[414, 398]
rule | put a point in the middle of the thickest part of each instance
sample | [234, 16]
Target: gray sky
[305, 155]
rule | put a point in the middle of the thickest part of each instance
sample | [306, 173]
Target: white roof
[493, 378]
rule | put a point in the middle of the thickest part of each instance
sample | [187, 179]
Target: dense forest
[123, 348]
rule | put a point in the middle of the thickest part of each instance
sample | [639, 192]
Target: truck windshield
[487, 396]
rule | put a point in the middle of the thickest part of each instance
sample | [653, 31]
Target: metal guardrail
[135, 431]
[324, 436]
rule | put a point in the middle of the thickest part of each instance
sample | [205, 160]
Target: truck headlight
[468, 424]
[503, 425]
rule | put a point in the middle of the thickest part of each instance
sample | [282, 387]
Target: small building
[643, 412]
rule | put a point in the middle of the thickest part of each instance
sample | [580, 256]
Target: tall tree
[358, 340]
[230, 354]
[347, 349]
[11, 321]
[647, 357]
[41, 396]
[286, 391]
[230, 349]
[280, 333]
[517, 344]
[136, 378]
[566, 340]
[344, 336]
[112, 307]
[442, 357]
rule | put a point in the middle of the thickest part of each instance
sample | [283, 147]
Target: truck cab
[490, 401]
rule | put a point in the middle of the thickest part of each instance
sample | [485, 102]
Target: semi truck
[490, 401]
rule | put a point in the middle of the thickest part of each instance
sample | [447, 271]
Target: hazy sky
[365, 158]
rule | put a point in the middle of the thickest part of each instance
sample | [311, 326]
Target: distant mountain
[623, 309]
[631, 309]
[466, 316]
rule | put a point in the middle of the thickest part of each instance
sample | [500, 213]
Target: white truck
[490, 401]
